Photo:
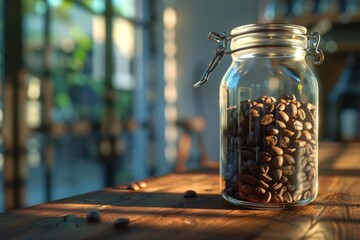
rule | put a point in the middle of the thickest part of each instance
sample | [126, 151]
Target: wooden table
[160, 211]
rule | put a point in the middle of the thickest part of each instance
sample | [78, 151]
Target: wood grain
[161, 212]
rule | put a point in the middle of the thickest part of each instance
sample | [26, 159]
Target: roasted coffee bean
[264, 168]
[93, 216]
[260, 190]
[265, 177]
[278, 174]
[306, 195]
[297, 135]
[301, 114]
[291, 110]
[142, 184]
[297, 195]
[267, 119]
[301, 177]
[266, 197]
[253, 197]
[272, 130]
[268, 108]
[282, 190]
[288, 133]
[290, 150]
[297, 125]
[283, 116]
[264, 157]
[190, 194]
[308, 126]
[250, 179]
[246, 189]
[288, 170]
[290, 186]
[278, 161]
[305, 135]
[277, 198]
[287, 197]
[281, 106]
[299, 143]
[276, 186]
[284, 141]
[289, 159]
[275, 151]
[280, 124]
[270, 140]
[263, 184]
[121, 223]
[133, 186]
[288, 97]
[252, 165]
[284, 179]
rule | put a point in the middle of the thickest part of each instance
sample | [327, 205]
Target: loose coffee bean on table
[190, 194]
[271, 155]
[121, 223]
[93, 216]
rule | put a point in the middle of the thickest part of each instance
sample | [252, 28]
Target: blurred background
[96, 93]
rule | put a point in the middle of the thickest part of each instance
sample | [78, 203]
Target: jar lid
[268, 35]
[263, 35]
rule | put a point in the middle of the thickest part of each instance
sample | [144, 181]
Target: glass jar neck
[269, 40]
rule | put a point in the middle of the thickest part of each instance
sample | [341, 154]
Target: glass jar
[268, 116]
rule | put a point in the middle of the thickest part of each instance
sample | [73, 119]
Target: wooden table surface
[160, 211]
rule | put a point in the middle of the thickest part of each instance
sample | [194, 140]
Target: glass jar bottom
[267, 206]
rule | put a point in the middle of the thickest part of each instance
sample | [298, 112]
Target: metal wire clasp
[313, 48]
[219, 54]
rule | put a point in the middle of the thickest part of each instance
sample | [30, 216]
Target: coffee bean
[267, 119]
[254, 113]
[306, 195]
[260, 190]
[277, 198]
[288, 170]
[252, 165]
[283, 116]
[297, 195]
[276, 186]
[283, 190]
[246, 189]
[284, 141]
[297, 135]
[264, 157]
[266, 197]
[289, 159]
[308, 126]
[281, 107]
[275, 151]
[288, 133]
[288, 97]
[278, 174]
[263, 184]
[278, 161]
[250, 179]
[301, 114]
[299, 143]
[270, 140]
[268, 108]
[287, 197]
[272, 130]
[264, 168]
[291, 110]
[190, 194]
[284, 179]
[121, 223]
[93, 216]
[306, 135]
[142, 184]
[290, 150]
[297, 125]
[265, 177]
[280, 124]
[253, 197]
[133, 186]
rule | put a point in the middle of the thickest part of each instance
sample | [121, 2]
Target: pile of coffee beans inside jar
[271, 150]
